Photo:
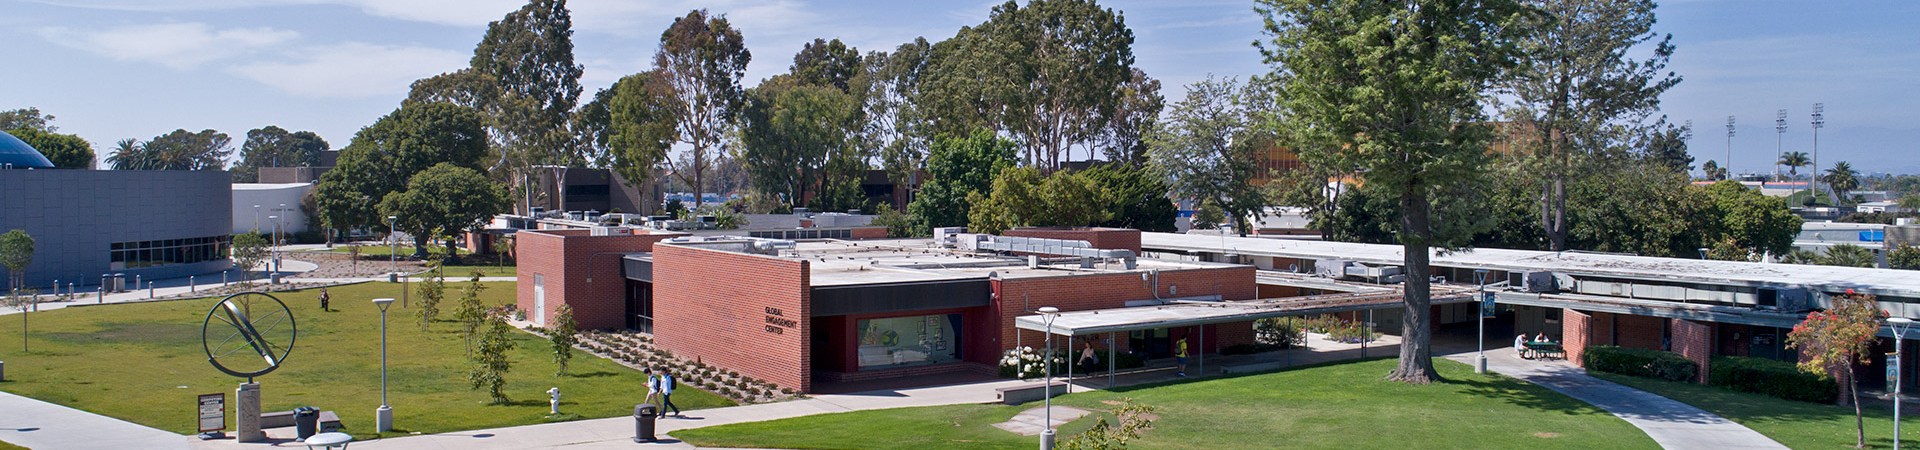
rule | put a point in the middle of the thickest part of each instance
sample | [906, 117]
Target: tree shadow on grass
[1177, 381]
[1525, 395]
[594, 374]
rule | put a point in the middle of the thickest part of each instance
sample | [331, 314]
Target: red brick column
[1693, 340]
[1575, 334]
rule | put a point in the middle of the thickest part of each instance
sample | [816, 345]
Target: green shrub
[1351, 334]
[1280, 332]
[1772, 378]
[1638, 362]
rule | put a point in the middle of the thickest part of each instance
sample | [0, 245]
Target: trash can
[643, 415]
[306, 421]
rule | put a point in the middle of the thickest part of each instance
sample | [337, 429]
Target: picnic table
[1544, 349]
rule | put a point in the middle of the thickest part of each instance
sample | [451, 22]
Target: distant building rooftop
[837, 262]
[19, 155]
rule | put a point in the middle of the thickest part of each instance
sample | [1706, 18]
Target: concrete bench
[1250, 367]
[328, 420]
[1021, 394]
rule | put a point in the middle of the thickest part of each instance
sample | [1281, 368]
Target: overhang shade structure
[1193, 313]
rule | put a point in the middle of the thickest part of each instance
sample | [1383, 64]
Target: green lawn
[6, 446]
[462, 272]
[144, 363]
[1335, 406]
[1796, 424]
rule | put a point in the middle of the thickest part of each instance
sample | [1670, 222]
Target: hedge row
[1638, 362]
[1772, 378]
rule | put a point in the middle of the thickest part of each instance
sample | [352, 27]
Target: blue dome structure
[19, 155]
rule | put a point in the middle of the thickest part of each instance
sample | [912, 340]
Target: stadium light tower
[1819, 121]
[1779, 134]
[1727, 164]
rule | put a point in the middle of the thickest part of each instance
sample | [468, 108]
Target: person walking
[653, 385]
[666, 393]
[1180, 354]
[323, 299]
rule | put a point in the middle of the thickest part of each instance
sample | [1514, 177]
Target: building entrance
[1155, 342]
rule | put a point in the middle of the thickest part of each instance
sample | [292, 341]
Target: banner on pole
[1486, 305]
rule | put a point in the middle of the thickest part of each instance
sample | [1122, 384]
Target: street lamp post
[1480, 361]
[1900, 325]
[275, 267]
[1047, 436]
[383, 416]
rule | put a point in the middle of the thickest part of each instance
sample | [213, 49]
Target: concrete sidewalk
[617, 432]
[1672, 424]
[40, 425]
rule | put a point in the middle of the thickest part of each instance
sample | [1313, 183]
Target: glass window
[908, 341]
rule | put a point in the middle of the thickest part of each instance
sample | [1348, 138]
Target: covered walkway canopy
[1186, 313]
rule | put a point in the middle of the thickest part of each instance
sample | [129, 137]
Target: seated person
[1520, 345]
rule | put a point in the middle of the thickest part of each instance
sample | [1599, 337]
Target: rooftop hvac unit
[1532, 281]
[1377, 272]
[945, 235]
[1784, 299]
[1330, 268]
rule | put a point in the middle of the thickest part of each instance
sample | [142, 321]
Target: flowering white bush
[1024, 363]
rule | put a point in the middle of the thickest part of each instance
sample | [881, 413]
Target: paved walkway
[40, 425]
[1672, 424]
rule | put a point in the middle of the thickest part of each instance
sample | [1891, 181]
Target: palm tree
[129, 155]
[1794, 161]
[1842, 179]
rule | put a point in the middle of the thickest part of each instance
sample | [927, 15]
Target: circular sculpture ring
[248, 334]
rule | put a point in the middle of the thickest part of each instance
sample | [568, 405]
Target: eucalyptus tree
[1581, 95]
[1207, 143]
[701, 60]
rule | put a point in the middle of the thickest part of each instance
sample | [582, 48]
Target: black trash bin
[643, 415]
[306, 421]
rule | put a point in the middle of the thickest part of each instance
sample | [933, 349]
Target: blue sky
[114, 69]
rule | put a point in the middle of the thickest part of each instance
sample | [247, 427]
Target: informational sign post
[213, 412]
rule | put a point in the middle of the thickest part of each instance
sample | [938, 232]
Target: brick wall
[1015, 296]
[1694, 341]
[869, 233]
[1576, 333]
[562, 258]
[1108, 238]
[1639, 331]
[716, 306]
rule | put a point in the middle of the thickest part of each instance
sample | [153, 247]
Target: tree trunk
[1416, 352]
[1853, 395]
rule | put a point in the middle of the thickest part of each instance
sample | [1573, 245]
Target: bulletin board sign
[213, 412]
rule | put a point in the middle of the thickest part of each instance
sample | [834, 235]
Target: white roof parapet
[1892, 282]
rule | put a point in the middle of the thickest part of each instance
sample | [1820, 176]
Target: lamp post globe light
[383, 416]
[1480, 360]
[1047, 436]
[1900, 326]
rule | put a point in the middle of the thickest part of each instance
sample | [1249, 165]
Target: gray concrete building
[149, 223]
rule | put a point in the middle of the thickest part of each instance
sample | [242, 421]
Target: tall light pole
[1727, 164]
[1779, 135]
[1819, 121]
[276, 244]
[1046, 437]
[1480, 362]
[383, 416]
[1900, 325]
[393, 246]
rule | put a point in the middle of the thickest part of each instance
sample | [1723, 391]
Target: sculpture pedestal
[248, 420]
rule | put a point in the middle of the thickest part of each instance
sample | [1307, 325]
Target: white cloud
[176, 45]
[353, 69]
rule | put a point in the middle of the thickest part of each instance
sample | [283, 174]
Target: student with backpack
[666, 393]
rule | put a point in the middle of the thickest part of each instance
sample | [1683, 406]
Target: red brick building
[800, 313]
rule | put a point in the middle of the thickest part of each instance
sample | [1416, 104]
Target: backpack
[666, 383]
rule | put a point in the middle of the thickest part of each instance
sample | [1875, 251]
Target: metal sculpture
[259, 334]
